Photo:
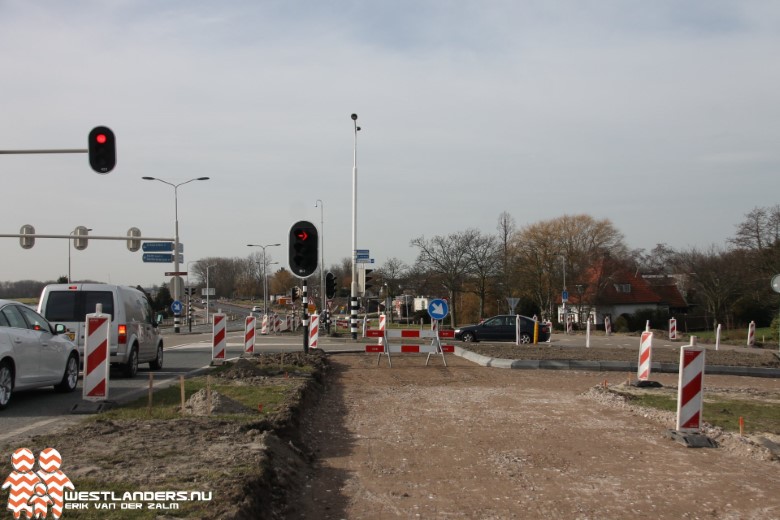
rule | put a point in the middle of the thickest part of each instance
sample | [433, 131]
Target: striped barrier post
[607, 326]
[690, 385]
[587, 334]
[645, 356]
[264, 329]
[672, 328]
[219, 337]
[249, 335]
[314, 331]
[96, 356]
[751, 339]
[569, 325]
[550, 327]
[382, 326]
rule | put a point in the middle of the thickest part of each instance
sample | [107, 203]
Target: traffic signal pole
[305, 316]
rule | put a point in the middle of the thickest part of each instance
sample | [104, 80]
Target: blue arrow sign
[157, 246]
[177, 307]
[565, 296]
[158, 258]
[438, 309]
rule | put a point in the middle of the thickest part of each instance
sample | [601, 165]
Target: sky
[663, 117]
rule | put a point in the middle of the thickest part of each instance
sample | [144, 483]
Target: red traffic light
[100, 138]
[302, 235]
[102, 149]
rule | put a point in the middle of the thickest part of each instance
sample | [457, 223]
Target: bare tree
[506, 228]
[448, 257]
[483, 253]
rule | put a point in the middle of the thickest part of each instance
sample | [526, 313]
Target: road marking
[39, 424]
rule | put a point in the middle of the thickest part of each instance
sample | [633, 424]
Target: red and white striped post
[672, 328]
[264, 329]
[717, 337]
[382, 325]
[751, 339]
[569, 325]
[690, 385]
[607, 326]
[219, 337]
[249, 335]
[645, 355]
[96, 356]
[314, 331]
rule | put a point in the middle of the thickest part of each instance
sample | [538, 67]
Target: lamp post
[208, 291]
[354, 288]
[323, 297]
[265, 279]
[176, 285]
[69, 240]
[563, 301]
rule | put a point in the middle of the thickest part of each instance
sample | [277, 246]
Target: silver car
[33, 353]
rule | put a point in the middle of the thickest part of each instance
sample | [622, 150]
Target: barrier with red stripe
[249, 335]
[645, 356]
[751, 339]
[382, 325]
[607, 326]
[314, 331]
[219, 338]
[96, 356]
[690, 385]
[387, 348]
[672, 328]
[264, 329]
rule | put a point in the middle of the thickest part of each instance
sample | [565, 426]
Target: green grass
[166, 403]
[724, 413]
[734, 336]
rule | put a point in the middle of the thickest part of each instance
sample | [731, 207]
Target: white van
[134, 336]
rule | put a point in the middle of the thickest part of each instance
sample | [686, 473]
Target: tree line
[477, 271]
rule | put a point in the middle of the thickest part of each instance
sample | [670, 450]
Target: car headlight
[457, 331]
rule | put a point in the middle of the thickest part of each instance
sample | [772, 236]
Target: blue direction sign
[157, 246]
[438, 309]
[177, 307]
[565, 296]
[158, 258]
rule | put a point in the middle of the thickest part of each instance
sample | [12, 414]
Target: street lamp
[354, 288]
[176, 285]
[265, 279]
[69, 240]
[208, 291]
[323, 297]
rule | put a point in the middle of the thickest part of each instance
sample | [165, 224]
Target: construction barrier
[264, 329]
[314, 331]
[645, 356]
[96, 356]
[690, 384]
[751, 339]
[672, 328]
[249, 335]
[607, 326]
[386, 348]
[383, 326]
[569, 325]
[219, 337]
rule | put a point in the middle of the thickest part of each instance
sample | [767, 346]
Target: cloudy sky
[662, 116]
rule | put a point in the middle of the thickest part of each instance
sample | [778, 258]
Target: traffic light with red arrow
[303, 249]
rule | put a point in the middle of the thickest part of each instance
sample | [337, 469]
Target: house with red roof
[615, 291]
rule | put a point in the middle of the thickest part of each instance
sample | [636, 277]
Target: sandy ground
[472, 442]
[360, 440]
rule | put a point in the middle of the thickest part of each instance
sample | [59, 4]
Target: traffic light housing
[80, 240]
[367, 280]
[330, 285]
[101, 146]
[132, 243]
[294, 293]
[303, 249]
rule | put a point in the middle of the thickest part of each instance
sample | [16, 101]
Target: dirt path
[473, 442]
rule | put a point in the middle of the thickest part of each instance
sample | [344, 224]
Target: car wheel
[71, 377]
[6, 384]
[157, 363]
[468, 337]
[131, 368]
[525, 338]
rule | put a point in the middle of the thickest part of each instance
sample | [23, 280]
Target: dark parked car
[503, 328]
